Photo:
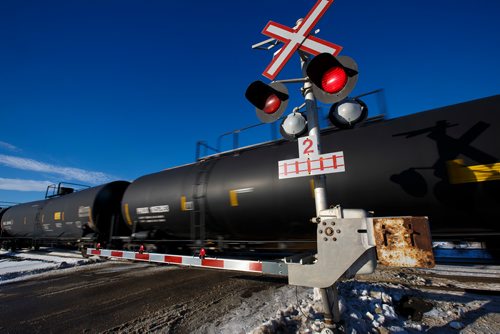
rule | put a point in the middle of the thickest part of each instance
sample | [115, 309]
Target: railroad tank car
[2, 232]
[441, 163]
[91, 214]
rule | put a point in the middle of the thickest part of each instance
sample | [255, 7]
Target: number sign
[308, 147]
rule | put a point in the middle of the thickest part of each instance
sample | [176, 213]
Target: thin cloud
[9, 147]
[68, 173]
[23, 185]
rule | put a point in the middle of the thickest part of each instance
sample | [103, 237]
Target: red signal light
[269, 100]
[272, 104]
[334, 80]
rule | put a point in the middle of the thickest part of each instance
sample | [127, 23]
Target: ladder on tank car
[198, 213]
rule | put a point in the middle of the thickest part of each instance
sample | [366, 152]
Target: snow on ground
[17, 266]
[366, 307]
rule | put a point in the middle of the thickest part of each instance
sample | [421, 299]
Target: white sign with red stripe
[323, 164]
[310, 162]
[264, 267]
[298, 38]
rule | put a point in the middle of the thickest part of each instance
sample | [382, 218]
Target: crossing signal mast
[329, 78]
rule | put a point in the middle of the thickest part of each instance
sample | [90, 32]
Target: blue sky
[93, 91]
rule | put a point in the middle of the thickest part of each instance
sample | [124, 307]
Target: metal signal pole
[330, 300]
[314, 130]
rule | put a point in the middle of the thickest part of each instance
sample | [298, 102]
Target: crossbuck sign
[298, 38]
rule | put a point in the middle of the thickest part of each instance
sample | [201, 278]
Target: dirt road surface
[125, 297]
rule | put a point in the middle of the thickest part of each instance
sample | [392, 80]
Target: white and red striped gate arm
[262, 267]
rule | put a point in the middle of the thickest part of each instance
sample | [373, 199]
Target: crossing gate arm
[261, 267]
[348, 243]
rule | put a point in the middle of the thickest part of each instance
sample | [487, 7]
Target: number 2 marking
[309, 143]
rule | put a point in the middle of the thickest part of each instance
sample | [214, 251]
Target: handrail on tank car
[217, 150]
[261, 144]
[382, 105]
[199, 145]
[58, 190]
[236, 134]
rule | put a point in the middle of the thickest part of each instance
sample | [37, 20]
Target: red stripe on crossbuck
[117, 253]
[96, 252]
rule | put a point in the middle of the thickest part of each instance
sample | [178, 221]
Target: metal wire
[298, 305]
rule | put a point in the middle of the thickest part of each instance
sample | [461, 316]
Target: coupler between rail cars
[349, 242]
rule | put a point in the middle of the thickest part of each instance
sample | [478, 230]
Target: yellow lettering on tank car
[183, 203]
[91, 221]
[57, 215]
[127, 214]
[233, 198]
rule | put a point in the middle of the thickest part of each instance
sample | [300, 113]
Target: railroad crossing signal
[270, 101]
[298, 38]
[333, 77]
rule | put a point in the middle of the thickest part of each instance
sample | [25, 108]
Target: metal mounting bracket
[342, 243]
[349, 243]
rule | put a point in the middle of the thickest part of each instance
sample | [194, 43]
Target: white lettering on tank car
[142, 211]
[151, 217]
[58, 225]
[244, 190]
[84, 211]
[8, 223]
[188, 206]
[153, 221]
[159, 208]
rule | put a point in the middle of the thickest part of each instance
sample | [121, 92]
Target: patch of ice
[17, 266]
[456, 325]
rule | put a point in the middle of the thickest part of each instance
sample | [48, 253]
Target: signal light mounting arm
[297, 80]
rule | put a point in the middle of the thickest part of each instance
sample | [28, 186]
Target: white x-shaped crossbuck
[298, 38]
